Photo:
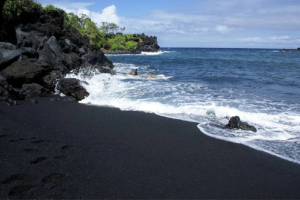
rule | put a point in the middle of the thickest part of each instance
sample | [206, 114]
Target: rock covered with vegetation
[41, 51]
[108, 37]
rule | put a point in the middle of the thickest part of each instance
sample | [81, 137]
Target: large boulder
[33, 90]
[30, 38]
[27, 71]
[71, 87]
[52, 57]
[235, 122]
[8, 54]
[97, 58]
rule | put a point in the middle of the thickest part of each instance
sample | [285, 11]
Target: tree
[113, 27]
[92, 31]
[104, 29]
[122, 29]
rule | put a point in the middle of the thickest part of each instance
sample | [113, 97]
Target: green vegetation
[15, 8]
[106, 37]
[109, 36]
[14, 12]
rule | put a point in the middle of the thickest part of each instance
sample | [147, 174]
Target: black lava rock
[235, 122]
[71, 87]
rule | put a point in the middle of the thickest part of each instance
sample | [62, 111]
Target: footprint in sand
[20, 189]
[60, 157]
[37, 141]
[14, 177]
[30, 150]
[53, 178]
[38, 160]
[67, 147]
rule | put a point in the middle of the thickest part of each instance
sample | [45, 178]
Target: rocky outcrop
[289, 50]
[235, 122]
[149, 44]
[46, 51]
[72, 87]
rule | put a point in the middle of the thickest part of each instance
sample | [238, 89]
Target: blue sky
[200, 23]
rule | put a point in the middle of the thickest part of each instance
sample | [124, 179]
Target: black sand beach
[69, 150]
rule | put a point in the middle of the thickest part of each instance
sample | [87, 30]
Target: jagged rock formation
[45, 51]
[149, 44]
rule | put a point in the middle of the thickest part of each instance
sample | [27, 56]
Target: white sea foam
[196, 103]
[153, 53]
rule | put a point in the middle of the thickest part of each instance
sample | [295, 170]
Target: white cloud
[274, 40]
[222, 29]
[254, 39]
[108, 14]
[279, 38]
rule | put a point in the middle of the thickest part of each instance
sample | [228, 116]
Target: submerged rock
[71, 87]
[133, 73]
[235, 122]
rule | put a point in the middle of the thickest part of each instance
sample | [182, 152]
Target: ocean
[208, 86]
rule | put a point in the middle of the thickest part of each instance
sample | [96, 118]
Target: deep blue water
[208, 86]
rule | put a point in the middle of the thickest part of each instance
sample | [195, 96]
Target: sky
[199, 23]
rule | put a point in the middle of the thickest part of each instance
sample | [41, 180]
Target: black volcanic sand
[69, 150]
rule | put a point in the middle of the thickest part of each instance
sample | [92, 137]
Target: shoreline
[71, 150]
